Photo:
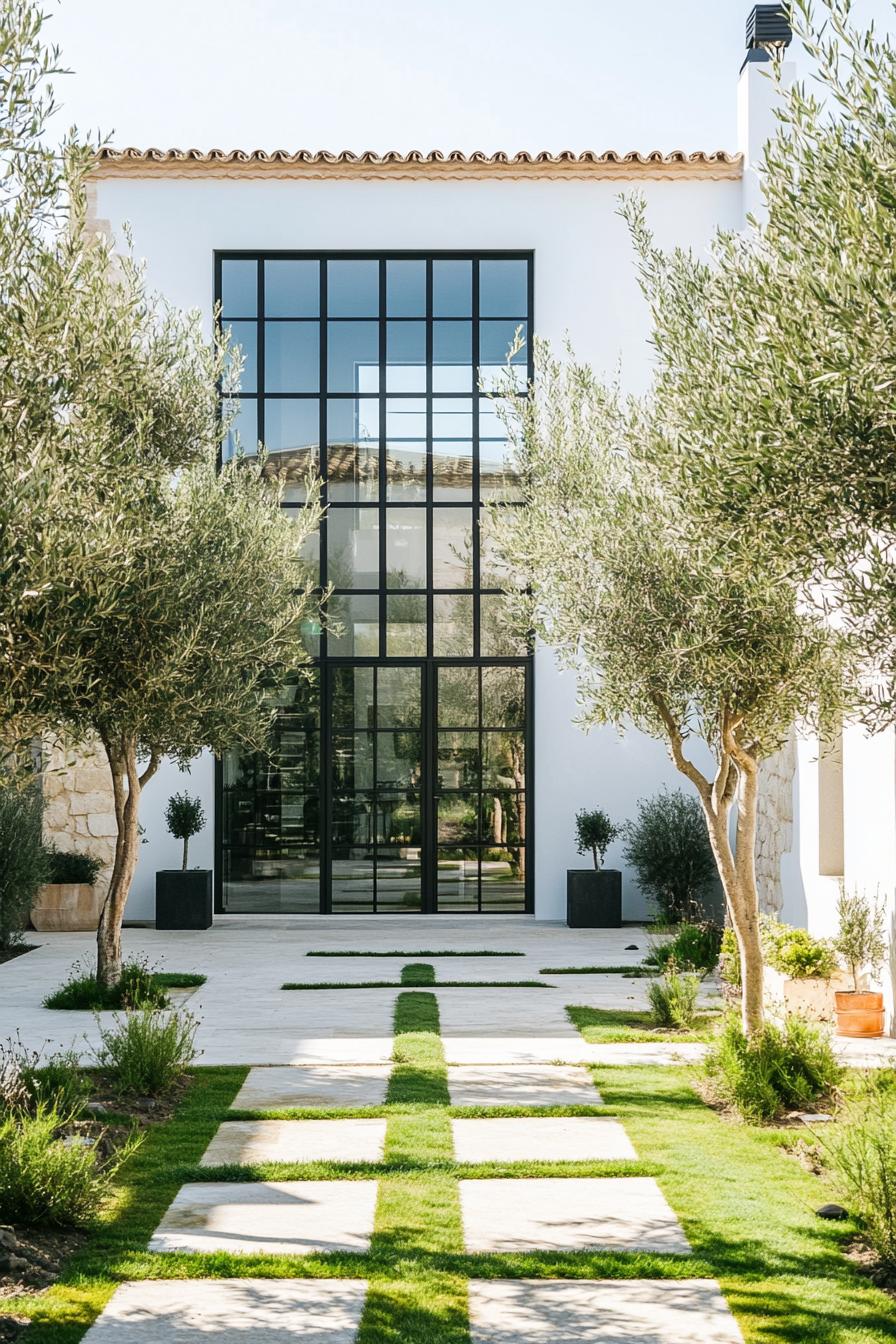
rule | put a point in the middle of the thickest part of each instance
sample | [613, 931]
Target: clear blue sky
[403, 74]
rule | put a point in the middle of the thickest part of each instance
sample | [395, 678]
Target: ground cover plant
[693, 947]
[860, 1151]
[604, 1026]
[146, 1052]
[781, 1269]
[673, 998]
[635, 972]
[138, 987]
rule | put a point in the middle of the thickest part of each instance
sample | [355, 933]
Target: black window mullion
[260, 377]
[479, 796]
[375, 802]
[323, 464]
[381, 497]
[429, 464]
[476, 486]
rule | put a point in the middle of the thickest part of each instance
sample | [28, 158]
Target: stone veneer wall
[79, 813]
[774, 824]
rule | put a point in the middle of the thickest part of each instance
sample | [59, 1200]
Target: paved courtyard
[420, 1122]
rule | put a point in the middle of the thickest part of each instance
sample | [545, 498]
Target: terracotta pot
[67, 907]
[860, 1014]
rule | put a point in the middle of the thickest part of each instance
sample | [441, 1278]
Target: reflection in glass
[353, 453]
[290, 424]
[458, 879]
[406, 548]
[452, 356]
[498, 478]
[457, 818]
[457, 756]
[452, 418]
[353, 354]
[405, 418]
[353, 288]
[496, 340]
[405, 356]
[458, 697]
[504, 760]
[244, 335]
[405, 469]
[452, 548]
[452, 469]
[239, 289]
[503, 287]
[503, 697]
[452, 625]
[353, 547]
[352, 696]
[503, 878]
[398, 760]
[352, 761]
[452, 288]
[242, 430]
[291, 357]
[291, 288]
[358, 617]
[398, 697]
[406, 626]
[291, 470]
[406, 288]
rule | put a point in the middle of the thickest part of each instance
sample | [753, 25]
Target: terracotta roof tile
[435, 164]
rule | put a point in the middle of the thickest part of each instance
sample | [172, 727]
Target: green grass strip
[418, 973]
[398, 984]
[604, 1026]
[636, 972]
[443, 952]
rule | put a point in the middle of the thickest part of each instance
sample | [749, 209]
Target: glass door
[376, 788]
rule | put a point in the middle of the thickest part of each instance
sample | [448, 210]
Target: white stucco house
[437, 767]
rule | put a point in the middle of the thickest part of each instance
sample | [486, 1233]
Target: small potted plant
[861, 943]
[594, 895]
[70, 901]
[184, 895]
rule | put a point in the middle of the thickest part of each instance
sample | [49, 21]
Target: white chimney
[768, 35]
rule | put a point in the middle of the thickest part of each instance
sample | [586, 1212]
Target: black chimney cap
[768, 26]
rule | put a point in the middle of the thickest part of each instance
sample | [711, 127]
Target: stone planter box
[67, 907]
[812, 998]
[593, 898]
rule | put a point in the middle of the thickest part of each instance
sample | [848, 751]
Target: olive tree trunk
[127, 786]
[737, 774]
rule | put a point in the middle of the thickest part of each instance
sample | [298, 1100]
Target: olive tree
[777, 356]
[148, 598]
[669, 624]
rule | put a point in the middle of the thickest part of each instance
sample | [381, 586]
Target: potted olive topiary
[594, 895]
[69, 901]
[861, 944]
[184, 895]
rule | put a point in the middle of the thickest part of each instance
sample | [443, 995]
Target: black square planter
[184, 898]
[593, 898]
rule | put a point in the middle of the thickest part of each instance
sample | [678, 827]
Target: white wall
[585, 287]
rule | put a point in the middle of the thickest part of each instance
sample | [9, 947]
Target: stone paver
[314, 1085]
[269, 1217]
[232, 1311]
[626, 1213]
[616, 1311]
[251, 1141]
[541, 1139]
[521, 1085]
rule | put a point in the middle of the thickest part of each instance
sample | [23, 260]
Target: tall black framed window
[373, 370]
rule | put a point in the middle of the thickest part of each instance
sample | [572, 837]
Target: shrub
[595, 832]
[66, 866]
[139, 987]
[861, 939]
[694, 947]
[779, 1069]
[147, 1052]
[862, 1153]
[668, 846]
[184, 817]
[792, 951]
[23, 861]
[673, 999]
[28, 1080]
[45, 1178]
